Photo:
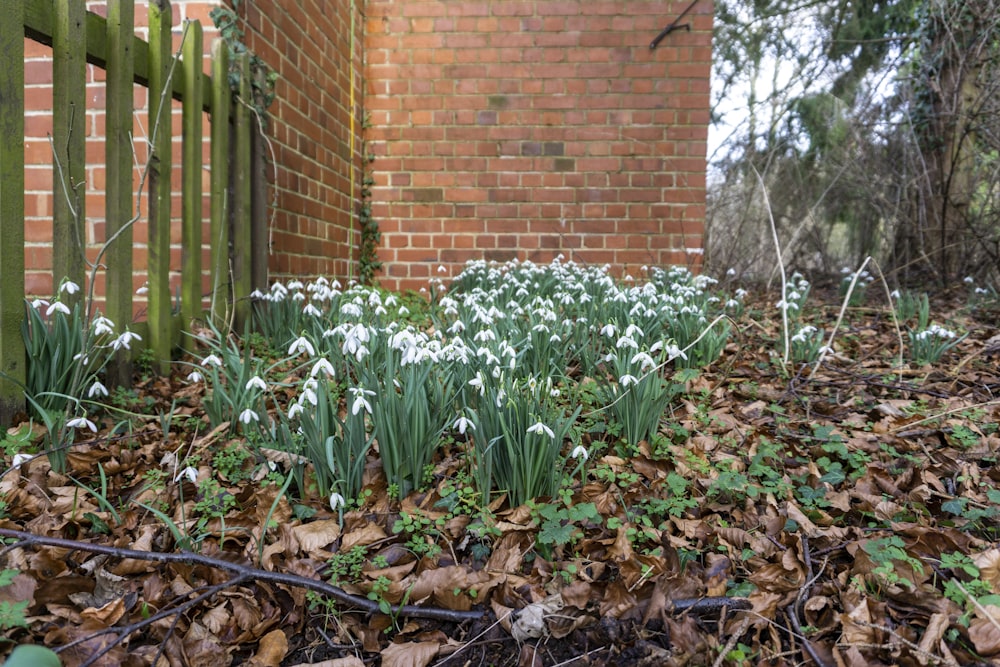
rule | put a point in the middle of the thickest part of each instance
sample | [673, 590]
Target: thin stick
[781, 267]
[840, 318]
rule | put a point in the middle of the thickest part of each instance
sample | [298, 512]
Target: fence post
[160, 126]
[191, 172]
[12, 355]
[118, 195]
[241, 225]
[219, 228]
[69, 131]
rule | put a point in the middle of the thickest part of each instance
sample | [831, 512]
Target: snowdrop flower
[102, 326]
[295, 284]
[644, 360]
[256, 383]
[336, 501]
[730, 272]
[456, 328]
[625, 341]
[351, 309]
[142, 290]
[627, 380]
[580, 451]
[477, 382]
[82, 423]
[968, 280]
[322, 365]
[463, 424]
[300, 345]
[309, 392]
[257, 294]
[673, 352]
[189, 473]
[20, 459]
[361, 400]
[57, 307]
[69, 287]
[608, 330]
[211, 360]
[125, 340]
[96, 390]
[294, 410]
[248, 416]
[540, 429]
[38, 304]
[194, 377]
[895, 294]
[312, 310]
[981, 290]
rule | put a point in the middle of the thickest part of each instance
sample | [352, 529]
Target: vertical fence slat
[118, 161]
[219, 228]
[69, 130]
[160, 126]
[191, 171]
[241, 225]
[12, 355]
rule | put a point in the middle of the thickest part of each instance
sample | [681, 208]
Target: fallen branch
[244, 572]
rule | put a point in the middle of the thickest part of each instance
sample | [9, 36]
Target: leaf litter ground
[843, 517]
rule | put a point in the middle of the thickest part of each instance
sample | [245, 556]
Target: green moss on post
[118, 196]
[160, 18]
[219, 228]
[191, 172]
[241, 223]
[12, 355]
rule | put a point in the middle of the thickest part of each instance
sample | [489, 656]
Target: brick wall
[531, 128]
[307, 42]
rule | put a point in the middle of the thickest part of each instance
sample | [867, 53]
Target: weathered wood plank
[69, 131]
[191, 172]
[219, 227]
[241, 232]
[160, 129]
[118, 159]
[38, 25]
[12, 354]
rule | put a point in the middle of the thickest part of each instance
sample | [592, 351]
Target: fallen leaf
[271, 651]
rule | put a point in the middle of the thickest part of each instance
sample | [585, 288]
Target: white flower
[142, 290]
[541, 428]
[895, 294]
[324, 366]
[312, 310]
[730, 272]
[968, 280]
[673, 352]
[579, 451]
[124, 340]
[294, 411]
[627, 380]
[360, 400]
[644, 360]
[69, 287]
[57, 307]
[248, 416]
[21, 458]
[608, 330]
[477, 382]
[336, 501]
[102, 325]
[463, 424]
[211, 360]
[82, 423]
[194, 377]
[300, 345]
[97, 389]
[256, 383]
[189, 473]
[38, 304]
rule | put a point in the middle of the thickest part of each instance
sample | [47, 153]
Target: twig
[781, 267]
[247, 573]
[735, 637]
[840, 318]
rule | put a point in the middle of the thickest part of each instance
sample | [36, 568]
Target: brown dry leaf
[107, 615]
[350, 661]
[936, 627]
[316, 534]
[144, 542]
[271, 651]
[440, 584]
[21, 589]
[985, 636]
[370, 532]
[216, 618]
[409, 654]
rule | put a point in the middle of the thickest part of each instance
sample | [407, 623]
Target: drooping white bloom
[211, 360]
[463, 424]
[312, 311]
[540, 429]
[125, 340]
[21, 459]
[102, 326]
[361, 400]
[300, 345]
[627, 380]
[248, 416]
[256, 383]
[82, 423]
[69, 287]
[580, 451]
[190, 474]
[142, 290]
[324, 366]
[97, 390]
[57, 307]
[294, 410]
[194, 377]
[336, 501]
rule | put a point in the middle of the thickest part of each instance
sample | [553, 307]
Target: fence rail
[78, 37]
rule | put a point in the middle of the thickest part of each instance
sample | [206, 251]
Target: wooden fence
[78, 37]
